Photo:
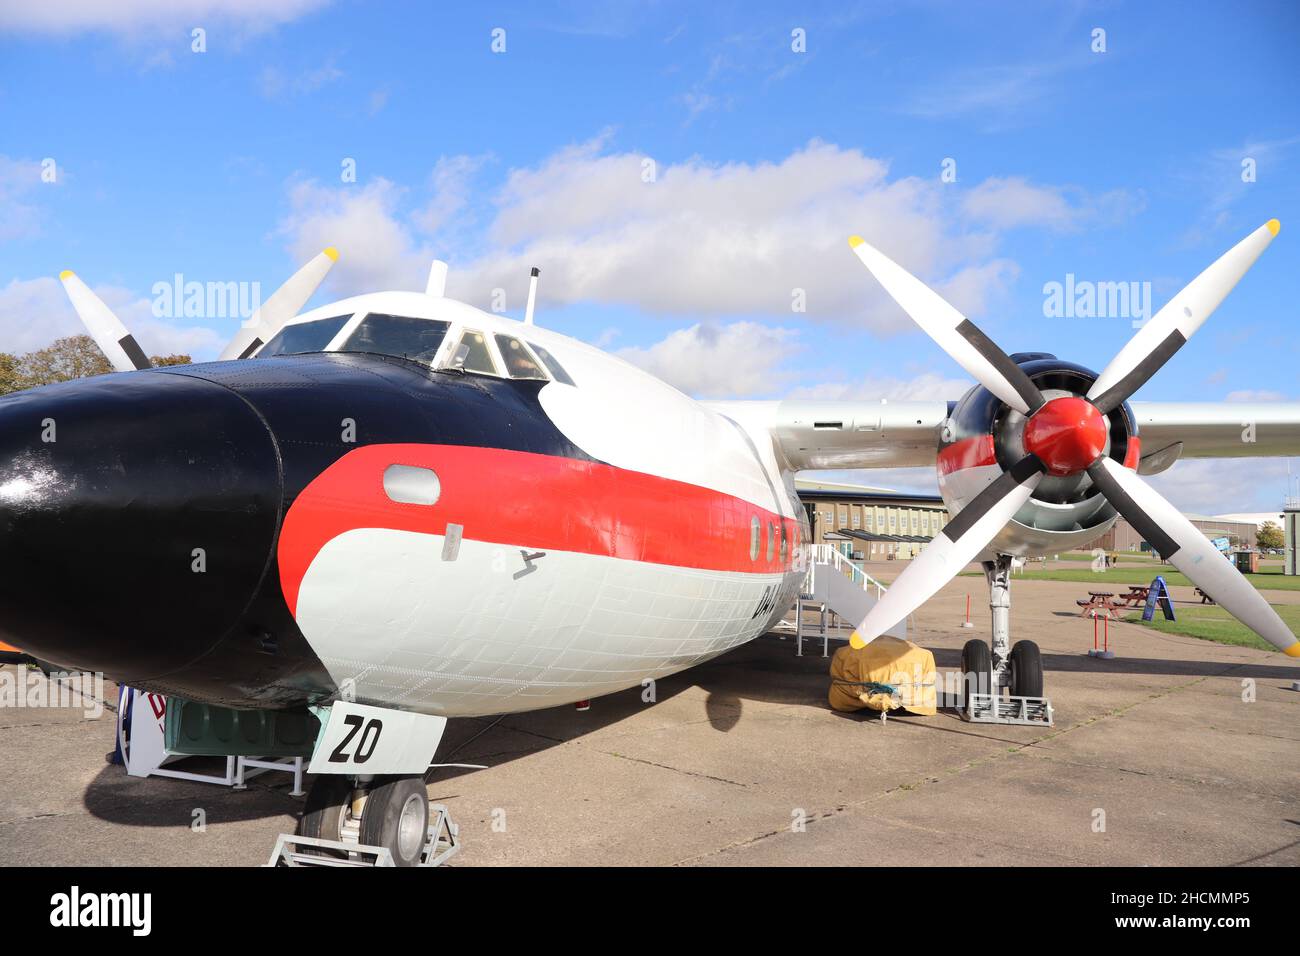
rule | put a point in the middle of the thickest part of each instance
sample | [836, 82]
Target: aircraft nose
[137, 516]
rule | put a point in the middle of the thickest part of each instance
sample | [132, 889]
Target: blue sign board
[1158, 593]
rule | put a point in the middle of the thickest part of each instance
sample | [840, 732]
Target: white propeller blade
[286, 302]
[952, 331]
[117, 344]
[951, 549]
[1190, 551]
[1167, 331]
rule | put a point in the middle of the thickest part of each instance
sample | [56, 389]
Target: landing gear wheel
[976, 669]
[1026, 670]
[328, 803]
[396, 816]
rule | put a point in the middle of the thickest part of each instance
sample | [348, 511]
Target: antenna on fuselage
[532, 296]
[437, 284]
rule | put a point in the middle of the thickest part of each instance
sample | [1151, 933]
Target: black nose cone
[137, 517]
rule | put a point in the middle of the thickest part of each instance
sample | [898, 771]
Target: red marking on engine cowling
[535, 501]
[967, 453]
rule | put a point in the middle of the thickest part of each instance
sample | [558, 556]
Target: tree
[1269, 536]
[75, 356]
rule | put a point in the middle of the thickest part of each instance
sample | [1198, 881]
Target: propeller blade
[953, 332]
[1190, 551]
[1171, 327]
[117, 344]
[965, 536]
[286, 302]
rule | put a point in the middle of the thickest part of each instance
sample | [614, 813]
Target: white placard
[359, 739]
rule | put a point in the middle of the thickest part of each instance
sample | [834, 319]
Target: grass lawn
[1211, 623]
[1117, 579]
[1087, 556]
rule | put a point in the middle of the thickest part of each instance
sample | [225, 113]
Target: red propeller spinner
[1068, 434]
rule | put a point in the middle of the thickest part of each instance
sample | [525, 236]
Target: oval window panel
[411, 485]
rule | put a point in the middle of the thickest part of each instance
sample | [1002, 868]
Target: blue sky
[1115, 166]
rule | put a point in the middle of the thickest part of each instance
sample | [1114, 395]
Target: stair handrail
[829, 554]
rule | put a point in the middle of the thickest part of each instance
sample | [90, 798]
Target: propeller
[125, 354]
[1171, 327]
[117, 344]
[286, 302]
[1066, 436]
[952, 331]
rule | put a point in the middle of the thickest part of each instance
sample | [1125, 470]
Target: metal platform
[997, 709]
[443, 843]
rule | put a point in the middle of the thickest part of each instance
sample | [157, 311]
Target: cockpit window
[304, 337]
[555, 368]
[472, 354]
[400, 335]
[519, 362]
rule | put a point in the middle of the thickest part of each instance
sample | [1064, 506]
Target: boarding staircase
[841, 593]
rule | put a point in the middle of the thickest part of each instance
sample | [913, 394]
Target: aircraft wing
[865, 434]
[1173, 430]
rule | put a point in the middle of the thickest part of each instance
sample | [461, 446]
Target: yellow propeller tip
[856, 642]
[856, 241]
[332, 253]
[1274, 226]
[1293, 650]
[66, 274]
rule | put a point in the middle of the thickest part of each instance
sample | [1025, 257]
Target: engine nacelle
[983, 437]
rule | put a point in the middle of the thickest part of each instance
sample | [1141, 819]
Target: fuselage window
[519, 361]
[400, 335]
[411, 485]
[472, 354]
[755, 537]
[785, 543]
[555, 368]
[771, 539]
[304, 337]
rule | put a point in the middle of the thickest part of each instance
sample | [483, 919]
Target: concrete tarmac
[1177, 752]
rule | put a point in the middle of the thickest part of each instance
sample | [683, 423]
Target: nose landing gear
[1003, 684]
[385, 821]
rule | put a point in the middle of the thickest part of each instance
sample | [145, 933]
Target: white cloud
[136, 16]
[19, 179]
[275, 83]
[35, 312]
[1013, 201]
[701, 239]
[928, 386]
[1255, 395]
[1218, 486]
[378, 248]
[718, 361]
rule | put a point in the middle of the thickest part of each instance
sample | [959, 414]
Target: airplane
[397, 508]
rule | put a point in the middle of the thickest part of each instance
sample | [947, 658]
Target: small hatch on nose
[411, 485]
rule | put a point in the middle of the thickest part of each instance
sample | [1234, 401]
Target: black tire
[1026, 670]
[396, 816]
[322, 815]
[976, 670]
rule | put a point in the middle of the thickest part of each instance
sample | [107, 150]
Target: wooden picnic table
[1098, 601]
[1137, 594]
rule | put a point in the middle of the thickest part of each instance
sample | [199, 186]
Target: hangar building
[872, 524]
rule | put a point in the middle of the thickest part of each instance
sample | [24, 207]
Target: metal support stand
[822, 631]
[443, 843]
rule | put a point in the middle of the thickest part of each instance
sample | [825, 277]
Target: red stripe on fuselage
[967, 453]
[535, 501]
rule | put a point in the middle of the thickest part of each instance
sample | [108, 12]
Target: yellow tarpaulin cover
[864, 678]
